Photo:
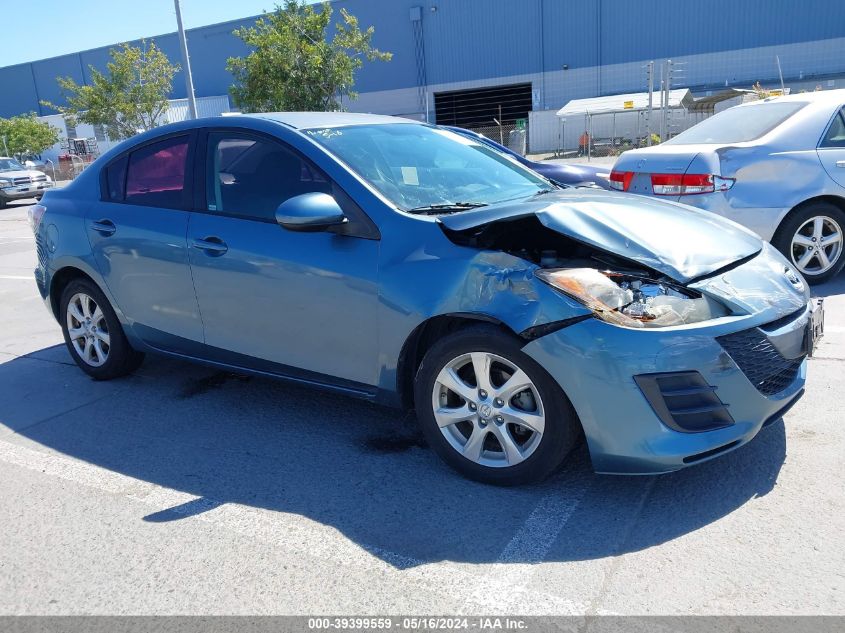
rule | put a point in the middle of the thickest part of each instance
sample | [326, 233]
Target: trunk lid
[676, 240]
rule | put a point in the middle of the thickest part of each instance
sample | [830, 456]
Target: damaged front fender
[444, 279]
[488, 283]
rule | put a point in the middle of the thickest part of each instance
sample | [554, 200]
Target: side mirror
[310, 212]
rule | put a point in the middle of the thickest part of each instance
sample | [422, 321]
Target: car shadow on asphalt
[835, 286]
[359, 468]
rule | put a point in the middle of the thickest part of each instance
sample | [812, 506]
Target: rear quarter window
[835, 135]
[116, 179]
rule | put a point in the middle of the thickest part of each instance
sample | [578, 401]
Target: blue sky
[54, 27]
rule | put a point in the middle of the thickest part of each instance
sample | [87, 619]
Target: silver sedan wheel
[488, 409]
[817, 245]
[88, 330]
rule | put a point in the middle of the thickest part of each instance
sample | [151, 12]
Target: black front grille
[760, 360]
[22, 180]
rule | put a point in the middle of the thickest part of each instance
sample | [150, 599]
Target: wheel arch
[60, 280]
[421, 339]
[837, 201]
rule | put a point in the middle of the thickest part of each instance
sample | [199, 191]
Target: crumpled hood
[679, 241]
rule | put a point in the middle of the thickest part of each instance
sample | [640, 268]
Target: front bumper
[25, 191]
[596, 364]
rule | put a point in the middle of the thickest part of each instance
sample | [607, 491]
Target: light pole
[186, 63]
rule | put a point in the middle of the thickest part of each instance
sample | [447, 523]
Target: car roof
[304, 120]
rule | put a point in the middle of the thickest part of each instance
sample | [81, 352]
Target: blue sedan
[414, 267]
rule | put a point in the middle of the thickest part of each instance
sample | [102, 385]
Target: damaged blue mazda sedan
[402, 263]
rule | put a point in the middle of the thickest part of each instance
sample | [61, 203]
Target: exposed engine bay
[617, 290]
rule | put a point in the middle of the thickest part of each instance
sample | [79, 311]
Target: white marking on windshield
[409, 176]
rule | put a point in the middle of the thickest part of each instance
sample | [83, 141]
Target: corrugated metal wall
[206, 106]
[470, 43]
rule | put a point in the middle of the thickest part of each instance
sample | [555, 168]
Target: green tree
[294, 66]
[130, 97]
[25, 135]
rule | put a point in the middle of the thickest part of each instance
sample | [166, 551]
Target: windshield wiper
[446, 207]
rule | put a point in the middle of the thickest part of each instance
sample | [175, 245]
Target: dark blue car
[560, 173]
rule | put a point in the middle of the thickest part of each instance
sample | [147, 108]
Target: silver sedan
[776, 166]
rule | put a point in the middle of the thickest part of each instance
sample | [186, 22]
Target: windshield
[420, 168]
[738, 124]
[10, 164]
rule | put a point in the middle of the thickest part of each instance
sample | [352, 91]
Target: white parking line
[306, 537]
[18, 277]
[530, 546]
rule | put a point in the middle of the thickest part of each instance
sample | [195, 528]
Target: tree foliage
[130, 97]
[294, 66]
[25, 135]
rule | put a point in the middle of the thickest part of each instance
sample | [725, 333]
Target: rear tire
[490, 430]
[812, 239]
[93, 334]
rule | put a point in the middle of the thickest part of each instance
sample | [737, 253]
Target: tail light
[621, 180]
[688, 184]
[35, 213]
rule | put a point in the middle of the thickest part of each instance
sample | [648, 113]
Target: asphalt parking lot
[185, 490]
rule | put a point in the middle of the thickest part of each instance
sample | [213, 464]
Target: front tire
[811, 238]
[492, 412]
[93, 334]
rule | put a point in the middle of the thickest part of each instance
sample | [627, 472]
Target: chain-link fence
[510, 135]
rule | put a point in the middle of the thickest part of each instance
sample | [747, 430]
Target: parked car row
[418, 267]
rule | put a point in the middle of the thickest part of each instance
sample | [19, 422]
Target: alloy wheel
[88, 330]
[817, 245]
[488, 409]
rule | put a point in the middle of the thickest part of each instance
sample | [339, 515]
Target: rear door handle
[840, 163]
[104, 227]
[211, 245]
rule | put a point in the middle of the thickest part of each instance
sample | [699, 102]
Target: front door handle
[840, 163]
[104, 227]
[211, 245]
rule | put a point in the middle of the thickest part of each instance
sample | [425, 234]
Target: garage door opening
[494, 112]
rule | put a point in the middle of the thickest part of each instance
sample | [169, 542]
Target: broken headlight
[630, 300]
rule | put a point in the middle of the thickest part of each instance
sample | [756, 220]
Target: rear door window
[155, 175]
